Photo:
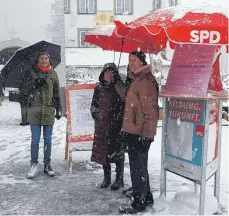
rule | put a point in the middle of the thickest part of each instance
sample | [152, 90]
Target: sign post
[191, 128]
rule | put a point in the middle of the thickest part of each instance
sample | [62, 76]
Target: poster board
[185, 137]
[80, 125]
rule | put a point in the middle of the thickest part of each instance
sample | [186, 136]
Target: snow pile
[76, 75]
[184, 203]
[180, 11]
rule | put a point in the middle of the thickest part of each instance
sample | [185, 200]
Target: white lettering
[214, 37]
[194, 36]
[204, 35]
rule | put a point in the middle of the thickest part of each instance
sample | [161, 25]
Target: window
[123, 7]
[81, 35]
[66, 6]
[87, 6]
[173, 3]
[156, 4]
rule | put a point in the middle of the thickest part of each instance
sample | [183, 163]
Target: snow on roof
[103, 30]
[97, 57]
[180, 11]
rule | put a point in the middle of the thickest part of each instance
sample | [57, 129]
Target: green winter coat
[44, 100]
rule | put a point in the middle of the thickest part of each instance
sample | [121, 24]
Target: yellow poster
[104, 18]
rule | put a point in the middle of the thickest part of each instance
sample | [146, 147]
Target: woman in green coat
[41, 84]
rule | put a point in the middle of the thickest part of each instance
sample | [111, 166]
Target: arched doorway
[7, 53]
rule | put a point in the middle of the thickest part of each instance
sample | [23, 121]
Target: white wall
[73, 21]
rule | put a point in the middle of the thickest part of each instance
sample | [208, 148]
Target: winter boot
[48, 170]
[24, 124]
[107, 176]
[33, 171]
[149, 198]
[119, 176]
[130, 209]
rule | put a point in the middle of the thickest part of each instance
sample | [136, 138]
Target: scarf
[44, 69]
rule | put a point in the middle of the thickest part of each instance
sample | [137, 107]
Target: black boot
[24, 124]
[119, 183]
[107, 176]
[48, 170]
[132, 209]
[149, 198]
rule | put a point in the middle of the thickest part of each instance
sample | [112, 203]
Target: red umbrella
[178, 25]
[106, 37]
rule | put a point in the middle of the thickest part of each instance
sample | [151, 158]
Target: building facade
[82, 16]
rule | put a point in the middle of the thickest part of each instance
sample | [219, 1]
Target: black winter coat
[107, 109]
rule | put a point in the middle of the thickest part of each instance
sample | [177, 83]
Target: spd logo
[204, 36]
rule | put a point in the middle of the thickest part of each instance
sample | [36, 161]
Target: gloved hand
[39, 82]
[146, 142]
[122, 144]
[58, 115]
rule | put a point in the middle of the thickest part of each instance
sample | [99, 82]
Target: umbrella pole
[121, 52]
[114, 57]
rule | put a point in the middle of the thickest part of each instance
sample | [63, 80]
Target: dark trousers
[24, 111]
[36, 134]
[138, 159]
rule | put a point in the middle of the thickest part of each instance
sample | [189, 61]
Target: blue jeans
[36, 135]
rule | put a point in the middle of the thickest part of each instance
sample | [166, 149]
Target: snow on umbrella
[25, 58]
[107, 38]
[207, 25]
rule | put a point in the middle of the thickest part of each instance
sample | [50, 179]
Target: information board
[185, 137]
[185, 133]
[80, 123]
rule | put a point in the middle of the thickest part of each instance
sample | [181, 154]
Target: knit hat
[141, 55]
[42, 53]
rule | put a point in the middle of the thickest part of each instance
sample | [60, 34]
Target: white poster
[180, 139]
[81, 120]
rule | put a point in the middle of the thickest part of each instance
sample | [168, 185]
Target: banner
[80, 123]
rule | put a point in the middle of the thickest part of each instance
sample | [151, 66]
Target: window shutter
[82, 35]
[91, 6]
[119, 6]
[66, 6]
[156, 4]
[82, 6]
[127, 7]
[173, 3]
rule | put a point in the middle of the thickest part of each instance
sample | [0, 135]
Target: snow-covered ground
[79, 192]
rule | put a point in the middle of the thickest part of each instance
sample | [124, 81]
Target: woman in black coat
[107, 110]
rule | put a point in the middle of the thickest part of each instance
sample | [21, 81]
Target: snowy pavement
[78, 193]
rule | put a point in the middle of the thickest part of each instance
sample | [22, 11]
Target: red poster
[190, 70]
